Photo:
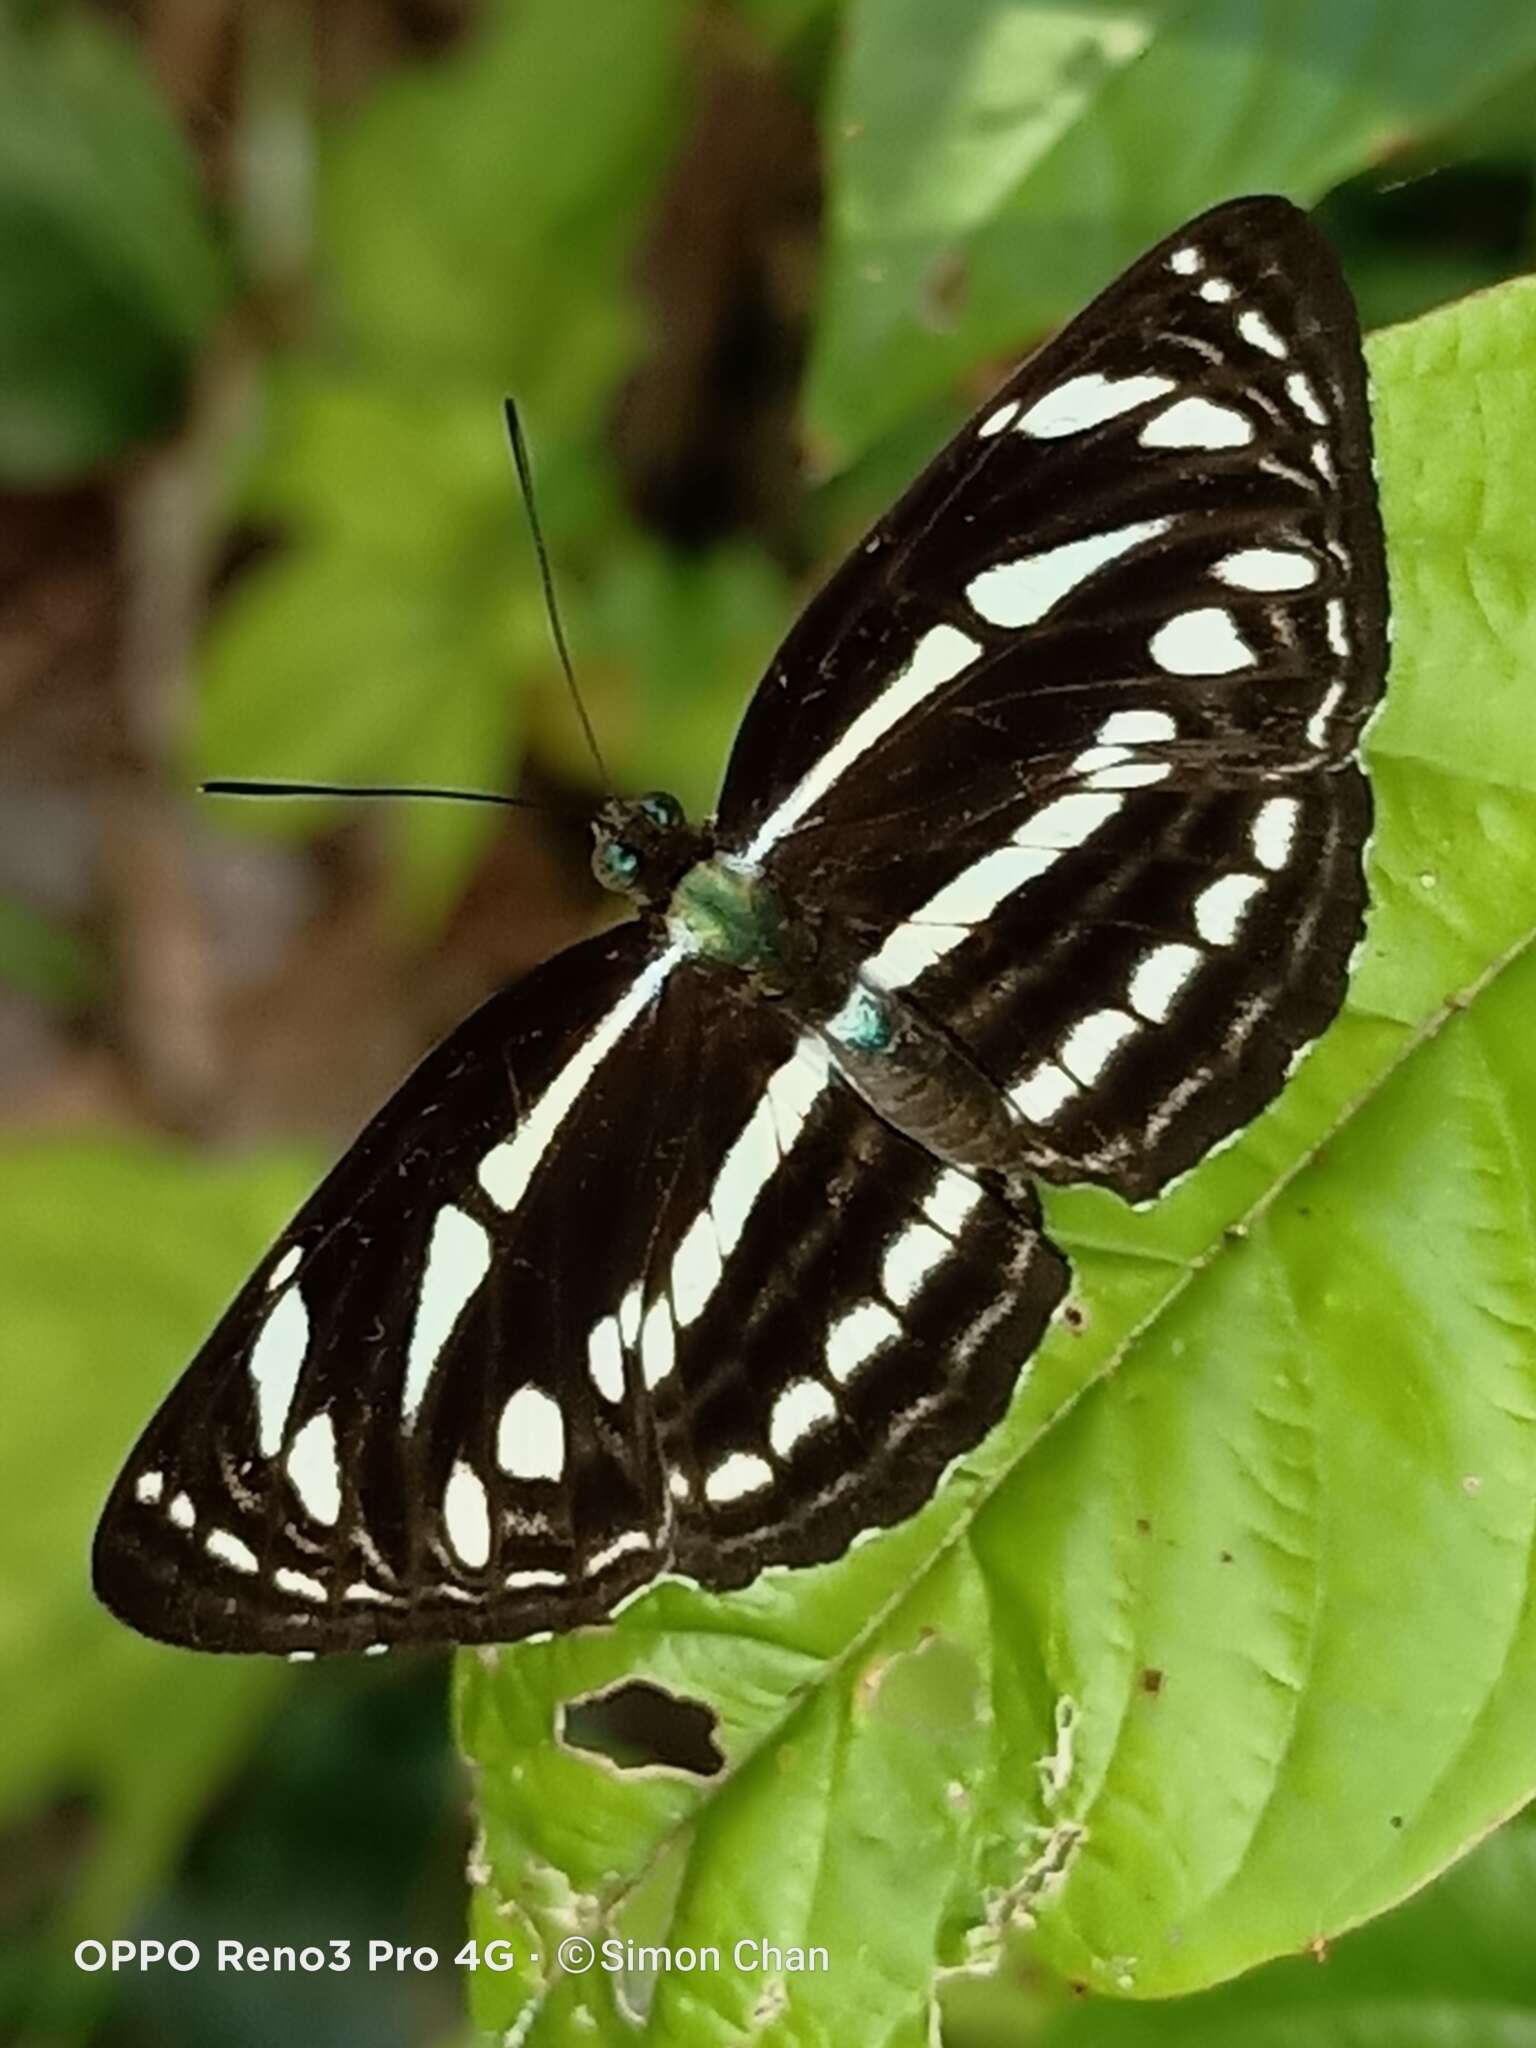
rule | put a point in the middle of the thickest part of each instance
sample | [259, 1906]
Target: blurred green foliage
[111, 271]
[480, 228]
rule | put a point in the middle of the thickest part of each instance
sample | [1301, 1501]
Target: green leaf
[1241, 1651]
[992, 165]
[108, 272]
[1453, 1968]
[479, 229]
[113, 1260]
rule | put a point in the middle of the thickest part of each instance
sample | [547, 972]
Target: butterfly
[711, 1243]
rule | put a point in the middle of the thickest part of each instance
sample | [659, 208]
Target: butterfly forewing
[1071, 740]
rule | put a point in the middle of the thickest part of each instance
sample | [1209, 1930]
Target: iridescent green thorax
[727, 912]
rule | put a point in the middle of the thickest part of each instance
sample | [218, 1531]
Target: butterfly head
[642, 846]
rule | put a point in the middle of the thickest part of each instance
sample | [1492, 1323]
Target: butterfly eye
[621, 861]
[662, 810]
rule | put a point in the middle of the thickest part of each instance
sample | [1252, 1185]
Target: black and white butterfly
[711, 1243]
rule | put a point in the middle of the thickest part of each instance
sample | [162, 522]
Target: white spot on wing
[515, 1582]
[507, 1168]
[803, 1406]
[629, 1316]
[1216, 291]
[1092, 759]
[744, 1172]
[277, 1358]
[1274, 831]
[1068, 821]
[1117, 768]
[314, 1469]
[950, 1202]
[943, 653]
[1219, 908]
[605, 1359]
[1136, 728]
[947, 919]
[230, 1550]
[458, 1257]
[995, 422]
[287, 1580]
[855, 1338]
[793, 1089]
[1043, 1092]
[911, 949]
[977, 890]
[1091, 1044]
[1317, 724]
[741, 1473]
[467, 1516]
[1198, 423]
[530, 1439]
[1304, 397]
[657, 1342]
[148, 1487]
[182, 1512]
[1020, 592]
[1133, 775]
[909, 1259]
[1203, 642]
[284, 1269]
[1088, 401]
[626, 1541]
[1158, 980]
[1338, 637]
[1267, 569]
[696, 1269]
[1186, 260]
[1258, 333]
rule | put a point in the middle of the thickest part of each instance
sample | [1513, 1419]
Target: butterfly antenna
[224, 786]
[552, 610]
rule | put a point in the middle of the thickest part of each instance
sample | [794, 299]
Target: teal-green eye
[662, 810]
[622, 861]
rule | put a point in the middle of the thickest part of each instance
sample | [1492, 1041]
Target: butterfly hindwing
[557, 1325]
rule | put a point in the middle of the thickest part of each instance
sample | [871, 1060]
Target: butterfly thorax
[725, 910]
[910, 1071]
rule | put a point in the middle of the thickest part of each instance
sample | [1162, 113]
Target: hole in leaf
[637, 1727]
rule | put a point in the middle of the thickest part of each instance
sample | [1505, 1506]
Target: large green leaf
[1241, 1650]
[993, 162]
[1453, 1968]
[108, 271]
[113, 1260]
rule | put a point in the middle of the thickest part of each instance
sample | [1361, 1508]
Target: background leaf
[1053, 145]
[113, 1258]
[110, 269]
[1451, 1969]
